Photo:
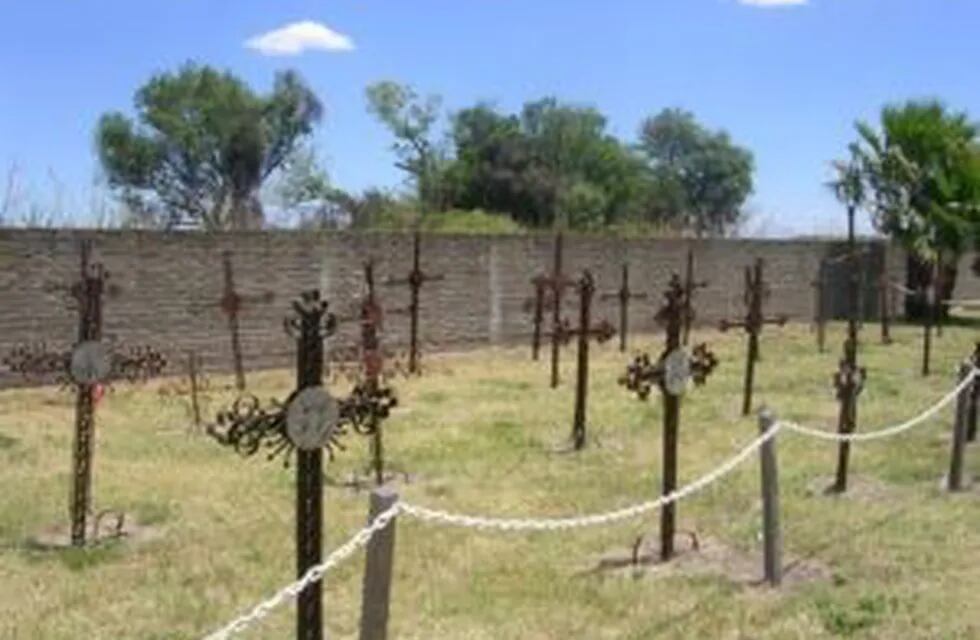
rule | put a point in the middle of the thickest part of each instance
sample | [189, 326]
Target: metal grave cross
[585, 332]
[671, 373]
[87, 366]
[690, 287]
[309, 421]
[416, 278]
[194, 386]
[756, 292]
[549, 290]
[624, 295]
[849, 378]
[232, 304]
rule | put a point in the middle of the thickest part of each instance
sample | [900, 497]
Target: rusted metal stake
[690, 287]
[193, 364]
[416, 278]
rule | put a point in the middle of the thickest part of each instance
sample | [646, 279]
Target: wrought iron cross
[231, 304]
[309, 421]
[819, 305]
[549, 291]
[88, 365]
[670, 373]
[585, 332]
[850, 378]
[416, 278]
[756, 292]
[690, 287]
[541, 301]
[624, 295]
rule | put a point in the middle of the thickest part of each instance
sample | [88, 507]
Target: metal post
[955, 480]
[669, 482]
[539, 290]
[556, 312]
[772, 536]
[582, 374]
[192, 365]
[376, 592]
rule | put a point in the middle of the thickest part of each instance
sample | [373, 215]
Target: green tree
[922, 171]
[703, 179]
[411, 120]
[202, 144]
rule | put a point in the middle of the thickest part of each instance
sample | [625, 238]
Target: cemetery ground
[896, 558]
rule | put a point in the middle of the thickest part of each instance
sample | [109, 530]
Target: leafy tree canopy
[202, 144]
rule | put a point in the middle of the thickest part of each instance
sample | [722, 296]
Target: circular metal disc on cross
[90, 362]
[311, 418]
[677, 371]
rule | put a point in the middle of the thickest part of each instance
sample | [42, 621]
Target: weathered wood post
[772, 536]
[378, 566]
[955, 480]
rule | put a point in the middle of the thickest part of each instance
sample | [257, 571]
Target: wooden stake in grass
[671, 374]
[971, 413]
[415, 279]
[756, 291]
[89, 365]
[771, 535]
[585, 332]
[309, 421]
[378, 569]
[955, 478]
[624, 295]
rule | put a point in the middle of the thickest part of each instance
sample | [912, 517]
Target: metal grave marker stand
[415, 279]
[624, 295]
[756, 292]
[671, 373]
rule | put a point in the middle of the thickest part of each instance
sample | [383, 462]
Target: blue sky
[786, 81]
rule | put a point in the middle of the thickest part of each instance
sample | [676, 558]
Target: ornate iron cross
[690, 288]
[86, 367]
[756, 292]
[232, 304]
[670, 373]
[585, 332]
[549, 290]
[309, 421]
[416, 278]
[624, 295]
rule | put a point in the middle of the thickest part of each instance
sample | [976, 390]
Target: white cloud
[295, 38]
[773, 3]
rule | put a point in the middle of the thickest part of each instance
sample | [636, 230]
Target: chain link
[555, 524]
[340, 554]
[885, 432]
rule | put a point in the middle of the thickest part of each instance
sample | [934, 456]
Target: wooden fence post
[772, 538]
[376, 593]
[955, 480]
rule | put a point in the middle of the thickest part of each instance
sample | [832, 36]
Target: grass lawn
[898, 558]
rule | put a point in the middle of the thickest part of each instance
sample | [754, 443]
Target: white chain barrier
[554, 524]
[315, 573]
[362, 537]
[885, 432]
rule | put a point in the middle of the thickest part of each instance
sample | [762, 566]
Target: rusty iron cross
[89, 365]
[415, 279]
[671, 373]
[231, 304]
[309, 422]
[585, 332]
[549, 290]
[690, 288]
[624, 295]
[195, 386]
[757, 291]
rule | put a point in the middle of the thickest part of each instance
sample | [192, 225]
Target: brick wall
[169, 284]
